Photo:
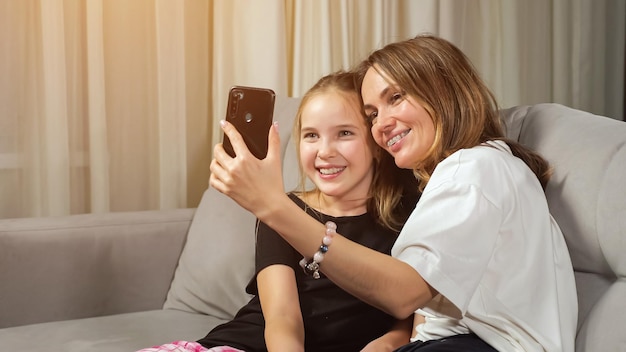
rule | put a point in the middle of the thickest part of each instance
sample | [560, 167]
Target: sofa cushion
[122, 332]
[587, 197]
[218, 259]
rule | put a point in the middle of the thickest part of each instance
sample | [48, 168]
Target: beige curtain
[112, 105]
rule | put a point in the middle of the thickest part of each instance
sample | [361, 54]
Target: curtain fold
[54, 164]
[170, 54]
[99, 190]
[113, 105]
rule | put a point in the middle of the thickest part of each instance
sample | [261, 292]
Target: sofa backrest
[218, 259]
[587, 197]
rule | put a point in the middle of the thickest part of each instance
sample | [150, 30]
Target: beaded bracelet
[313, 267]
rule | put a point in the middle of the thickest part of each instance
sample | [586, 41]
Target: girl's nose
[326, 149]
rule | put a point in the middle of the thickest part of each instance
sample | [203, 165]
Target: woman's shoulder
[479, 165]
[485, 154]
[490, 151]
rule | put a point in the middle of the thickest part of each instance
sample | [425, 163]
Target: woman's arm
[257, 185]
[278, 293]
[399, 335]
[372, 276]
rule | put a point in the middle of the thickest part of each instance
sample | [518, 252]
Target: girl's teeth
[331, 171]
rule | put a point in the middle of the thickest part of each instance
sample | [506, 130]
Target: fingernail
[222, 123]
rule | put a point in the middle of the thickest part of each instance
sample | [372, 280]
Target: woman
[480, 259]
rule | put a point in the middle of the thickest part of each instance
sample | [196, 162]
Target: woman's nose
[384, 122]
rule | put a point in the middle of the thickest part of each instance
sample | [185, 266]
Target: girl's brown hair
[464, 111]
[392, 193]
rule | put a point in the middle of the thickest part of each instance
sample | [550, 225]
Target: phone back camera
[237, 95]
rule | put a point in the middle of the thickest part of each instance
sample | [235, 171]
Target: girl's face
[400, 124]
[334, 149]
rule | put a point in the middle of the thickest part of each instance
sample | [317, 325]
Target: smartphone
[250, 110]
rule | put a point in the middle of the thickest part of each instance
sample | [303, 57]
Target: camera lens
[237, 94]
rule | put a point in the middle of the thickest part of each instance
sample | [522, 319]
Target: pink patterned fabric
[187, 346]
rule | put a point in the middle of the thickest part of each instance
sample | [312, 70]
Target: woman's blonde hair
[442, 79]
[392, 191]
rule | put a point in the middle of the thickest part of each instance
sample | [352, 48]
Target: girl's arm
[257, 185]
[399, 335]
[284, 329]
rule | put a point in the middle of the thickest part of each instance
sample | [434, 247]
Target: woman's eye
[396, 97]
[309, 135]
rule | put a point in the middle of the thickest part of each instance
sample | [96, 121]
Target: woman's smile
[397, 138]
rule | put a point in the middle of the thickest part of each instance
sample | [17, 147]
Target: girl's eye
[345, 133]
[309, 135]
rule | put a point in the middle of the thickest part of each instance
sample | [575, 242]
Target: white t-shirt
[483, 237]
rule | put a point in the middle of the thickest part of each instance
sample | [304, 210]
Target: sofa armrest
[88, 265]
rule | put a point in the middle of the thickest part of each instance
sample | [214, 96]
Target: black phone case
[250, 110]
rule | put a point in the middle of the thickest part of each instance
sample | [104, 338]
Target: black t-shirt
[333, 319]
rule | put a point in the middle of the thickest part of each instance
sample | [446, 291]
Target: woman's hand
[250, 182]
[396, 337]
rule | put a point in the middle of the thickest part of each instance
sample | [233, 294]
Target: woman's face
[334, 149]
[400, 124]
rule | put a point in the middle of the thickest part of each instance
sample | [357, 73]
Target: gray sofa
[124, 281]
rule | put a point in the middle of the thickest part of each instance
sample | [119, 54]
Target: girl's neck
[335, 206]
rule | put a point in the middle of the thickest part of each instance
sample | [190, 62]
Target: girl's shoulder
[302, 200]
[296, 198]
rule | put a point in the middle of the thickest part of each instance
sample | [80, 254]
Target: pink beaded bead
[312, 267]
